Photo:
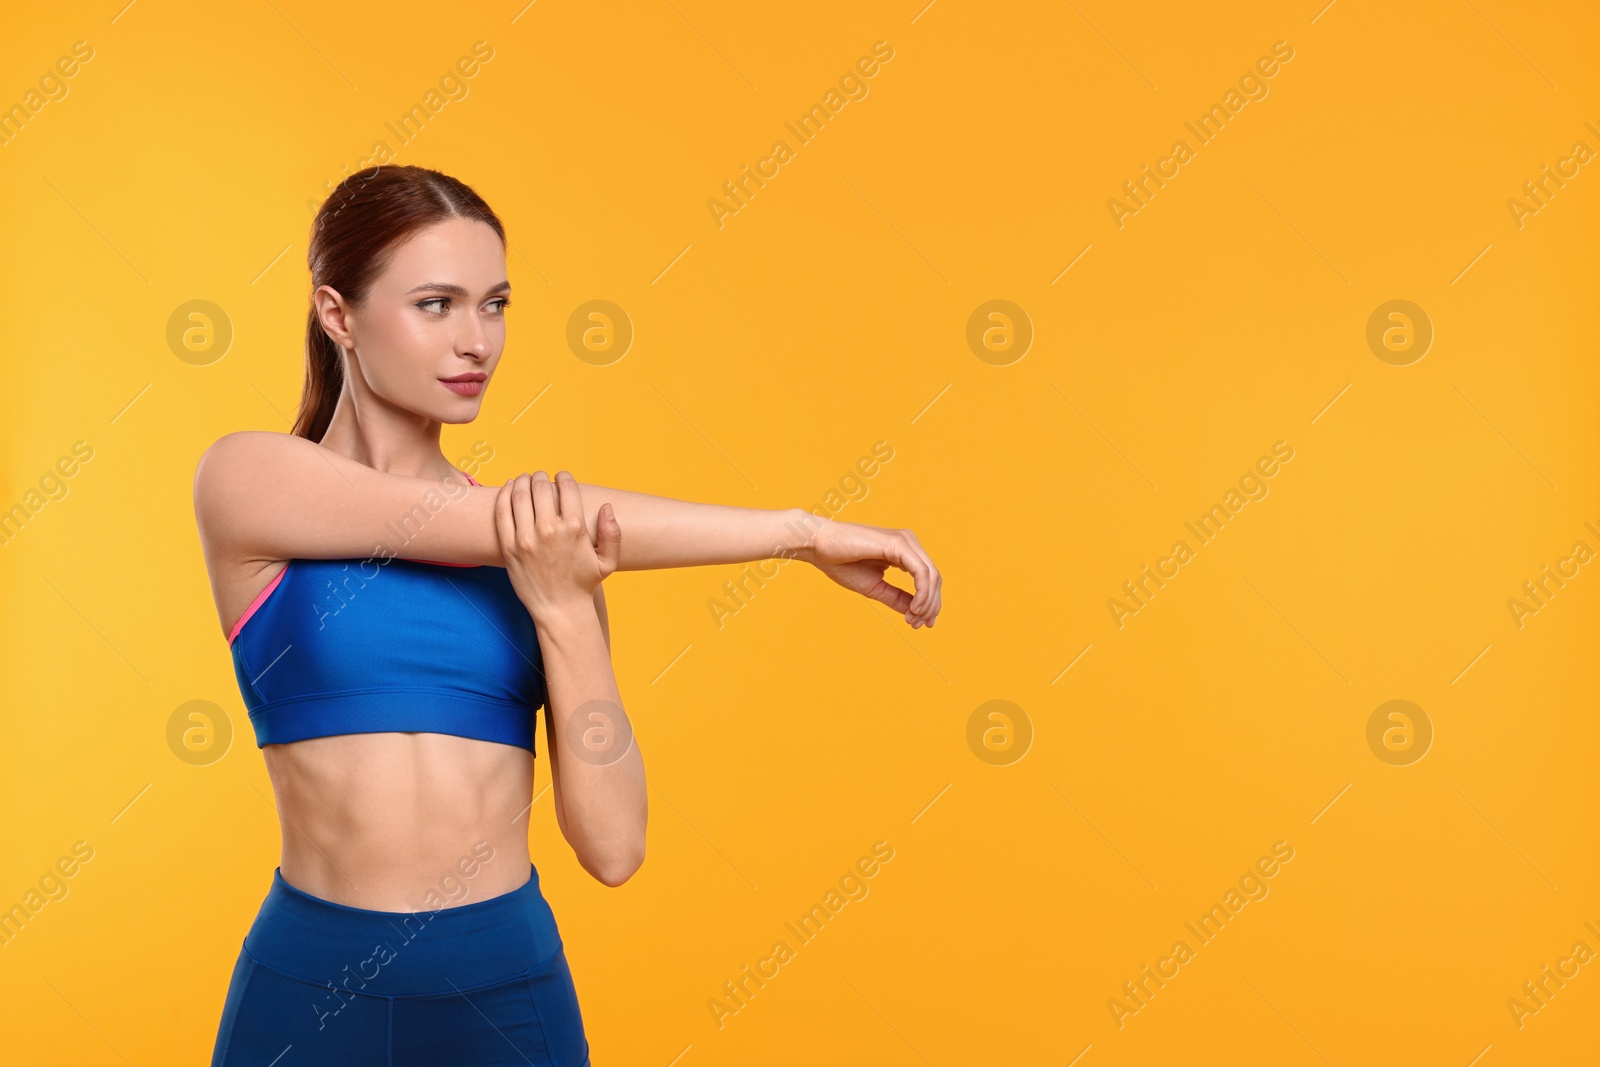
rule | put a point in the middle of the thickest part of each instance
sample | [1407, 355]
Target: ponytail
[324, 381]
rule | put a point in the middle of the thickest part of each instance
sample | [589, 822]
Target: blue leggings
[322, 983]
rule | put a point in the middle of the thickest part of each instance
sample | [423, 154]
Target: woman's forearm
[659, 531]
[597, 772]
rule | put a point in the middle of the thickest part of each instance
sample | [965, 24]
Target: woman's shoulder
[233, 470]
[237, 479]
[244, 447]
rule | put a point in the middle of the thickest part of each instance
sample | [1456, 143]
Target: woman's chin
[462, 410]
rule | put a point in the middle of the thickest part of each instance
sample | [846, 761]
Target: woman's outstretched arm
[272, 496]
[678, 533]
[260, 495]
[665, 532]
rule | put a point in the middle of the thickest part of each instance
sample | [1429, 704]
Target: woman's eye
[504, 303]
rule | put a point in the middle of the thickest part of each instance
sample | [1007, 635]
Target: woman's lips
[471, 388]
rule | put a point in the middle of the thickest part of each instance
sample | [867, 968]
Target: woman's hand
[552, 565]
[855, 556]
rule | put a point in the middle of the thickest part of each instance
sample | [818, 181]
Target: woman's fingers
[546, 510]
[897, 553]
[608, 539]
[524, 530]
[928, 599]
[504, 525]
[539, 508]
[914, 562]
[935, 599]
[569, 498]
[892, 595]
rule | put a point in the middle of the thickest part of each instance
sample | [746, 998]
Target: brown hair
[353, 237]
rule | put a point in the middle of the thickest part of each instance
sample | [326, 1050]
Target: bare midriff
[392, 821]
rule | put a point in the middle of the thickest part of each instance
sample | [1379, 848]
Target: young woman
[395, 627]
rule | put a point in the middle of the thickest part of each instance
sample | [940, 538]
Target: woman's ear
[334, 314]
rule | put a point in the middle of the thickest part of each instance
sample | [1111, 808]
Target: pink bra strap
[260, 599]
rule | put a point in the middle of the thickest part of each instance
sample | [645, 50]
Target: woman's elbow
[614, 870]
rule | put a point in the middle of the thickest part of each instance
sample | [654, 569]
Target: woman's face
[435, 314]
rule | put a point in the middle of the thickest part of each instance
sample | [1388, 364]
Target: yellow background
[770, 354]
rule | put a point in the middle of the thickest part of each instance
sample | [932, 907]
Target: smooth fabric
[348, 646]
[483, 983]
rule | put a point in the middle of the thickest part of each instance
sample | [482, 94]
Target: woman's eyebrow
[456, 290]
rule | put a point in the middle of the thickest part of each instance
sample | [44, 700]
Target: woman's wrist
[804, 528]
[565, 620]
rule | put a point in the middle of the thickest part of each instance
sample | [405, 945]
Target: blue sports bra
[353, 646]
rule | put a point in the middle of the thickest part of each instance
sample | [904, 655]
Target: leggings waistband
[403, 953]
